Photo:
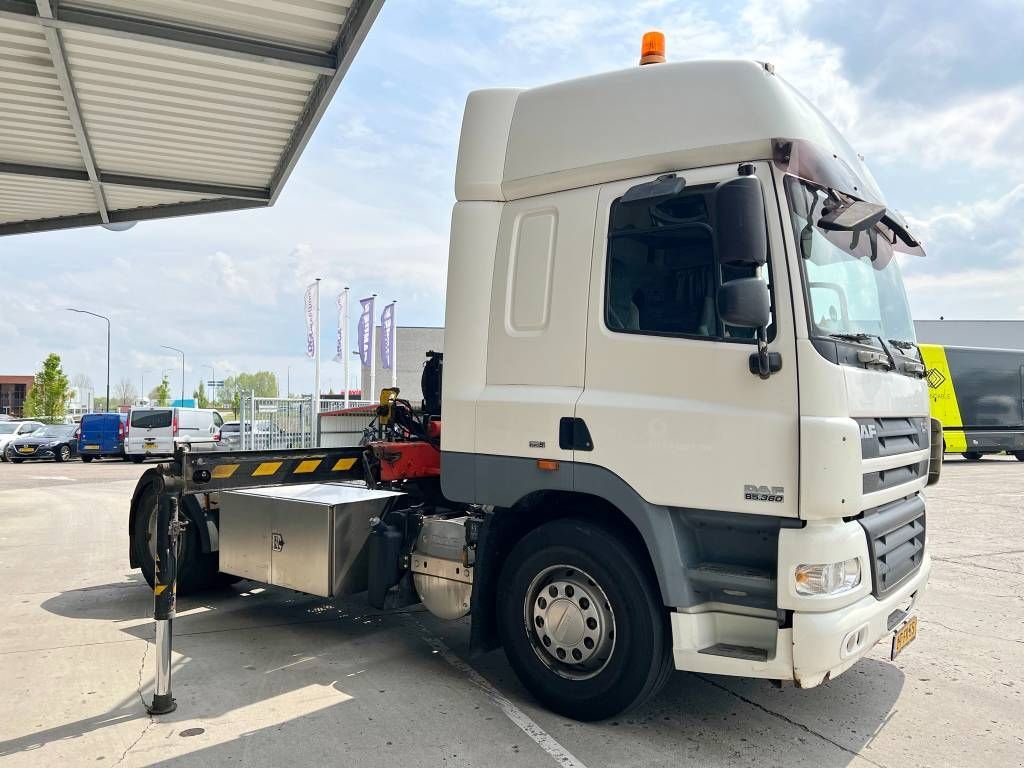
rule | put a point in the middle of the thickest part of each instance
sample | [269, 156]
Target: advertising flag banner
[365, 330]
[310, 308]
[387, 338]
[339, 355]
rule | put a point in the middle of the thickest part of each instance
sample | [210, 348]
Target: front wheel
[63, 453]
[1018, 455]
[581, 620]
[973, 456]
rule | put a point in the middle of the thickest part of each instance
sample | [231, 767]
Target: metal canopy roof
[121, 110]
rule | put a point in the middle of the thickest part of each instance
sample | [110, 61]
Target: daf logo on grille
[868, 432]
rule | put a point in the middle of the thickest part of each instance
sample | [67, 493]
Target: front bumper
[42, 453]
[817, 647]
[827, 644]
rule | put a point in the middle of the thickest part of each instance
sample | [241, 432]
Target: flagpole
[373, 350]
[344, 348]
[394, 343]
[316, 367]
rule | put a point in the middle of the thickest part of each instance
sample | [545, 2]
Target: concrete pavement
[268, 677]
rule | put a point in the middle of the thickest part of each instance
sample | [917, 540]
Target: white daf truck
[683, 422]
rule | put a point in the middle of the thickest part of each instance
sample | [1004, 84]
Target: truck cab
[675, 310]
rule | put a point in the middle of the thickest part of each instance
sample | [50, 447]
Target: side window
[217, 420]
[662, 276]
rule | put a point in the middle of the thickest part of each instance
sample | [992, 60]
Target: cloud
[975, 263]
[932, 94]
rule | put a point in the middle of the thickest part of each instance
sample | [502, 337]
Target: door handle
[573, 435]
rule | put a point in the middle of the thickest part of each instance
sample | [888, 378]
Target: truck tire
[582, 622]
[197, 570]
[137, 459]
[973, 456]
[87, 459]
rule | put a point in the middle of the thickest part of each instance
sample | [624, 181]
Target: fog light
[828, 578]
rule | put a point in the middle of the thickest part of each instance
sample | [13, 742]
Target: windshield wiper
[883, 359]
[915, 367]
[853, 336]
[901, 344]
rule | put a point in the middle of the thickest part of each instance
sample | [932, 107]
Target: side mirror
[745, 303]
[740, 223]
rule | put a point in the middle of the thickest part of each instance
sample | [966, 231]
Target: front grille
[892, 435]
[890, 478]
[896, 534]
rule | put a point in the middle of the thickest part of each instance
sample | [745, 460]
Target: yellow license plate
[92, 447]
[26, 449]
[904, 636]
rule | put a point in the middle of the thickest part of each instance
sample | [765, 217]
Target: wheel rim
[570, 622]
[65, 453]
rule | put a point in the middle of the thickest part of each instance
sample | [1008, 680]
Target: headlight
[828, 578]
[54, 444]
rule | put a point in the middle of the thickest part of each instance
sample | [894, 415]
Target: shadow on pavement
[242, 650]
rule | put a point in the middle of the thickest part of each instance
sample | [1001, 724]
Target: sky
[932, 93]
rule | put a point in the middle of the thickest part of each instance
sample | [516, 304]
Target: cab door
[669, 399]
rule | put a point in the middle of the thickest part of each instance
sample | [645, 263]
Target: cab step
[733, 578]
[745, 652]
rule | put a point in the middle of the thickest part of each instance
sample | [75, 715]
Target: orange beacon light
[652, 48]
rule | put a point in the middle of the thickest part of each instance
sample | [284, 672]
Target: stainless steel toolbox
[311, 538]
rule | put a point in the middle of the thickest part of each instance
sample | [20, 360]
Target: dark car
[102, 434]
[58, 442]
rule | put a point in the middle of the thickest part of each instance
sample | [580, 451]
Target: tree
[82, 383]
[263, 383]
[47, 400]
[161, 394]
[200, 396]
[124, 392]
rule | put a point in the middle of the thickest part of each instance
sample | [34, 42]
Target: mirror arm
[763, 366]
[764, 363]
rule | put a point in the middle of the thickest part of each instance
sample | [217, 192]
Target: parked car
[102, 434]
[10, 430]
[57, 441]
[154, 431]
[231, 436]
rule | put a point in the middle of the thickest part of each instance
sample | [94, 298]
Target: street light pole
[102, 317]
[182, 353]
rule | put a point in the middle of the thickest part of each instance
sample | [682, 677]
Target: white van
[155, 431]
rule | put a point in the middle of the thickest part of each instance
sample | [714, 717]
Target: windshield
[853, 282]
[59, 431]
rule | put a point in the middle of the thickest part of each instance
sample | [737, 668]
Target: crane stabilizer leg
[165, 586]
[190, 473]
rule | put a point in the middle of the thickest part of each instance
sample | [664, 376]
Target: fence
[272, 423]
